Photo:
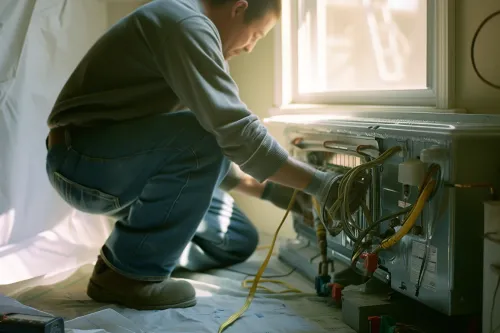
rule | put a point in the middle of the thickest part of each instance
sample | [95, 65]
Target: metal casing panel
[453, 285]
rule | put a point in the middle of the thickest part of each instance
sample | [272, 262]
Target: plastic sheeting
[219, 294]
[41, 41]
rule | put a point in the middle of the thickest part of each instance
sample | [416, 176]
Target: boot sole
[100, 295]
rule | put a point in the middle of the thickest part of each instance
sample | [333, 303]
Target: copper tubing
[476, 185]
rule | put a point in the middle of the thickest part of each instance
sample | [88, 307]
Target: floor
[220, 294]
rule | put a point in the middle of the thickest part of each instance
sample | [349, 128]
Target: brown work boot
[107, 286]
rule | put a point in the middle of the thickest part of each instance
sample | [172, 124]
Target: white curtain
[41, 41]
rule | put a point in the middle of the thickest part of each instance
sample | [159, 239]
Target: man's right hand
[324, 186]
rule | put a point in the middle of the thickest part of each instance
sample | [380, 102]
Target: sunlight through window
[365, 45]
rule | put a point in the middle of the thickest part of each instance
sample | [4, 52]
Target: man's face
[239, 36]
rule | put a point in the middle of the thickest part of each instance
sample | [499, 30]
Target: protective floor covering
[219, 293]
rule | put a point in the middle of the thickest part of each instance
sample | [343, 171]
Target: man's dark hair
[256, 8]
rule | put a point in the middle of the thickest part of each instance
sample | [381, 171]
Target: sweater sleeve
[192, 63]
[232, 179]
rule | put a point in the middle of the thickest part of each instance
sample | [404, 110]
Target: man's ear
[239, 8]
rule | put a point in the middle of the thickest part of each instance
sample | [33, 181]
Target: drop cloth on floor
[219, 293]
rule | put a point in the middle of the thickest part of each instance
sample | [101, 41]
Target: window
[365, 52]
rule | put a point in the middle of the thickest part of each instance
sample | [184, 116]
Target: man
[145, 131]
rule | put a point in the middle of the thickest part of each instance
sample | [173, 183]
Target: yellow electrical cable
[316, 205]
[262, 268]
[357, 255]
[342, 202]
[264, 247]
[410, 221]
[320, 228]
[289, 289]
[428, 186]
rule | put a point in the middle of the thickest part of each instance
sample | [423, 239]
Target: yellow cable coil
[262, 268]
[341, 204]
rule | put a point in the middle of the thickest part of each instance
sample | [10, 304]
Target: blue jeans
[158, 177]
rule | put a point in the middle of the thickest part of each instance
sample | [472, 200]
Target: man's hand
[325, 189]
[277, 194]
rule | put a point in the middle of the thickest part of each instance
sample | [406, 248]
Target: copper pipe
[476, 185]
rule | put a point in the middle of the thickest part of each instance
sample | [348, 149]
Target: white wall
[254, 75]
[471, 93]
[119, 9]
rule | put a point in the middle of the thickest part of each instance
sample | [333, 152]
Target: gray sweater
[165, 55]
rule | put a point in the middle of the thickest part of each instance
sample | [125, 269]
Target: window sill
[321, 109]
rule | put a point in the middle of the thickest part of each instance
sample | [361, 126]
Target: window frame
[441, 66]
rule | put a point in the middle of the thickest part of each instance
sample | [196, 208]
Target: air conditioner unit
[441, 256]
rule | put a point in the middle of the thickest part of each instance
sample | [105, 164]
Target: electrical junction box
[449, 229]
